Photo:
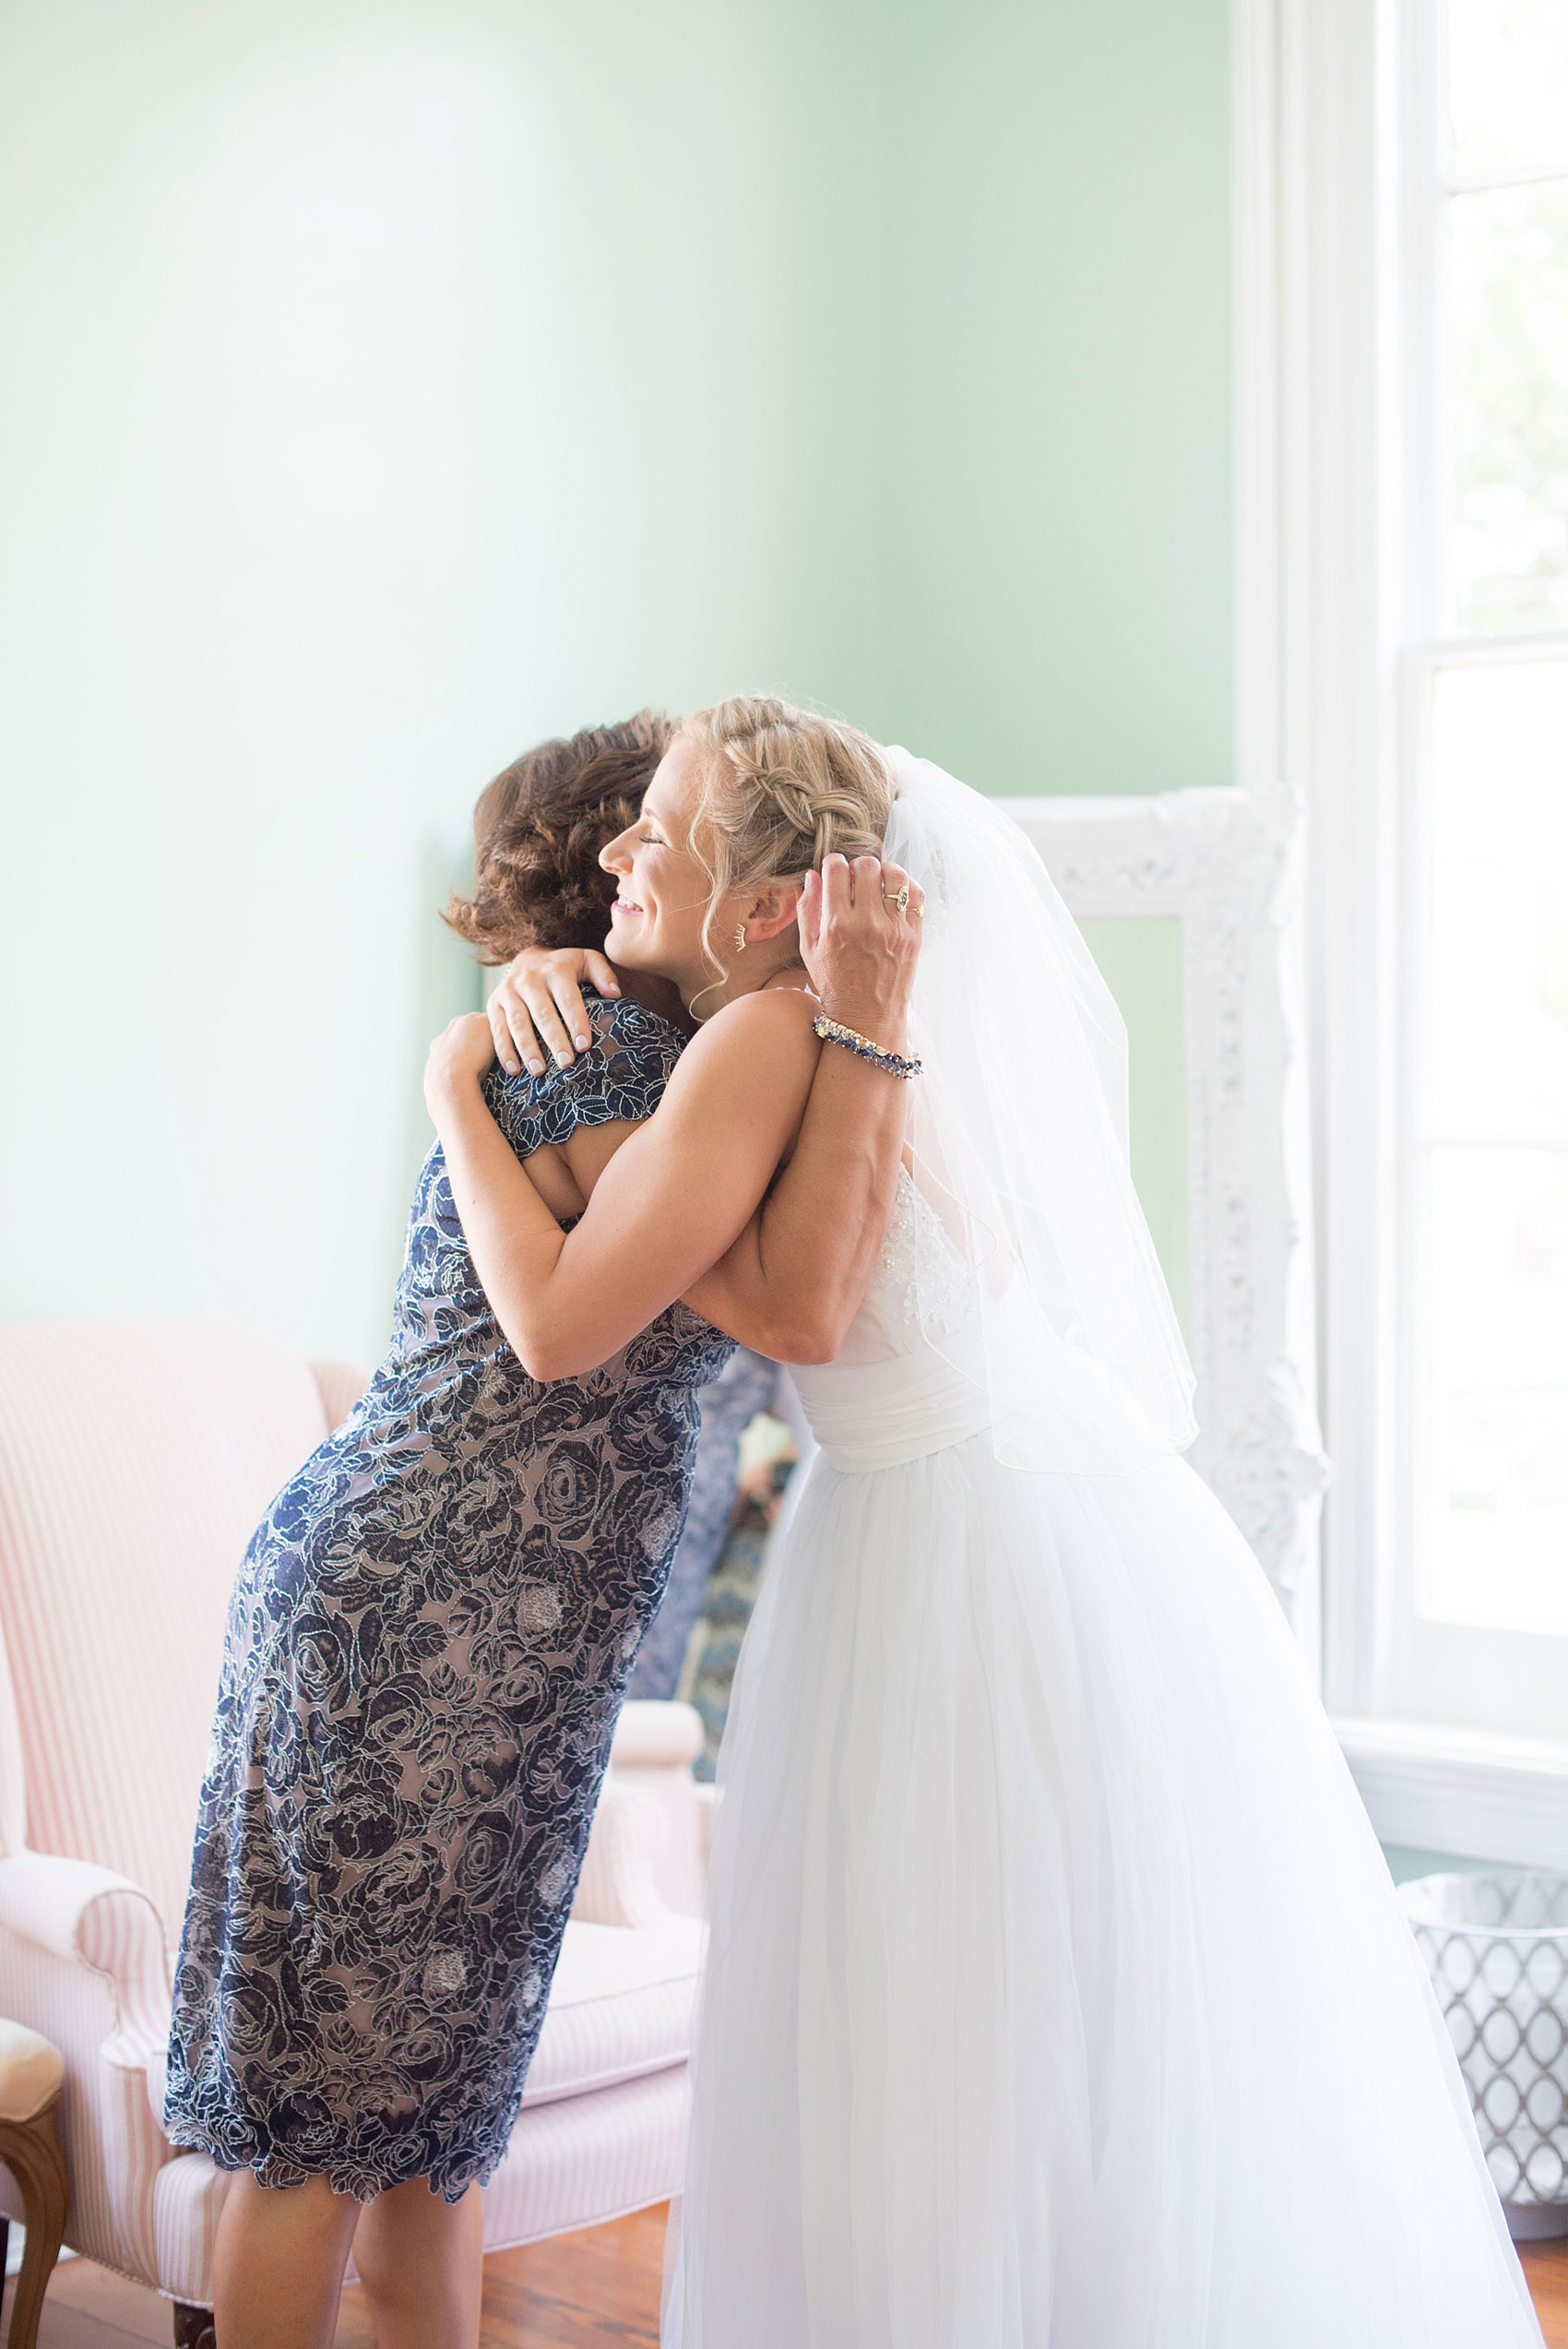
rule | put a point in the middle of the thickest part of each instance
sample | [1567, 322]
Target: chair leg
[31, 2150]
[193, 2327]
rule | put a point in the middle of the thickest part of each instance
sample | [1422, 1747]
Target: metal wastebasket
[1496, 1945]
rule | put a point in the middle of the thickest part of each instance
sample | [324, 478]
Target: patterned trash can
[1497, 1948]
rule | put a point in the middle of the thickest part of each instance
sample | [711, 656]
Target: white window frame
[1466, 1672]
[1324, 284]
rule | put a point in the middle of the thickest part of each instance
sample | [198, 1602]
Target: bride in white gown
[1057, 1994]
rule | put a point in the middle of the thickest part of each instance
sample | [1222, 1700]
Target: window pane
[1496, 1550]
[1493, 1251]
[1495, 988]
[1509, 353]
[1508, 84]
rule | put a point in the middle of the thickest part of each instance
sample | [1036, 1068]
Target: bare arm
[793, 1280]
[673, 1199]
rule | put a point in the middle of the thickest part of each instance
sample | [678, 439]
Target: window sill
[1475, 1793]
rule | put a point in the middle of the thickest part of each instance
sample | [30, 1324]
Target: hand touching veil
[1019, 1136]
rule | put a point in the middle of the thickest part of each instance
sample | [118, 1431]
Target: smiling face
[668, 916]
[656, 922]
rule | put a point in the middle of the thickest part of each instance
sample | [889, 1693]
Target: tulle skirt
[1057, 1994]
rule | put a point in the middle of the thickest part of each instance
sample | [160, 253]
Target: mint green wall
[388, 385]
[1056, 606]
[1141, 961]
[385, 388]
[1404, 1863]
[1057, 503]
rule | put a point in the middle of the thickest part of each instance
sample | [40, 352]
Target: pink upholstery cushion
[572, 2163]
[31, 2068]
[656, 1735]
[135, 1458]
[620, 2005]
[587, 2159]
[339, 1385]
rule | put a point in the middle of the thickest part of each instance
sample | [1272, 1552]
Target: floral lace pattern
[426, 1651]
[921, 1264]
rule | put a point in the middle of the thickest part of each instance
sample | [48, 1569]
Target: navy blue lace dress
[426, 1649]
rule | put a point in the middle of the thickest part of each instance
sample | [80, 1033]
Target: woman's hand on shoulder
[457, 1061]
[859, 948]
[535, 1006]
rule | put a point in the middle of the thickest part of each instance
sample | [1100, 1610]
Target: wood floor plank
[1546, 2269]
[63, 2327]
[596, 2290]
[127, 2308]
[85, 2307]
[68, 2328]
[599, 2289]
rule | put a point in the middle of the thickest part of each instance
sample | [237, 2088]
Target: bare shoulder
[759, 1039]
[771, 1020]
[784, 1013]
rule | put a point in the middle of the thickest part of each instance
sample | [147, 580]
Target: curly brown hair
[537, 831]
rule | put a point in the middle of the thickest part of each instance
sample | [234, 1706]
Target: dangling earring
[739, 937]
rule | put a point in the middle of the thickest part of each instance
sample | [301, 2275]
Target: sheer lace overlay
[426, 1651]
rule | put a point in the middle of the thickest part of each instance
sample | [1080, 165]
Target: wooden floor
[1547, 2266]
[598, 2288]
[578, 2292]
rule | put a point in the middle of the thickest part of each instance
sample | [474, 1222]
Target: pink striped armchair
[135, 1459]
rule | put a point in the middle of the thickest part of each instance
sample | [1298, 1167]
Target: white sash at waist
[871, 1415]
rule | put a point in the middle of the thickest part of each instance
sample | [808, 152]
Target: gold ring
[902, 899]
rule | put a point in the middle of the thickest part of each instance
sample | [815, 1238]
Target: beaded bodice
[922, 1287]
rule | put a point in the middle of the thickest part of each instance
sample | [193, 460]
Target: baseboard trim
[1464, 1791]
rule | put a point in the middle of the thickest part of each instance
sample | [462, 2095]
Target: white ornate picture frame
[1224, 864]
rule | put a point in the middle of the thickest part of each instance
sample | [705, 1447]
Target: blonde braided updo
[780, 789]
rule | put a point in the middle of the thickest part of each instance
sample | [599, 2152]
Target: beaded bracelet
[892, 1063]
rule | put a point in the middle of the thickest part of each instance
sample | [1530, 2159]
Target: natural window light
[1494, 1543]
[1506, 180]
[1485, 899]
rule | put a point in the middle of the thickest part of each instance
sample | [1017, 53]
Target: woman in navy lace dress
[426, 1649]
[425, 1657]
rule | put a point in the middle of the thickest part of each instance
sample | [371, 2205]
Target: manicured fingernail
[536, 1067]
[582, 1044]
[562, 1060]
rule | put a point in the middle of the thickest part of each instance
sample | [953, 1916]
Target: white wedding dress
[1057, 1996]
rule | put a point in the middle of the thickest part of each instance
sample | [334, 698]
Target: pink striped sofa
[135, 1459]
